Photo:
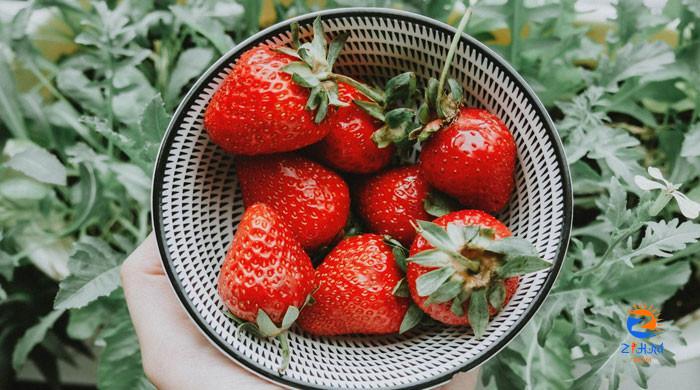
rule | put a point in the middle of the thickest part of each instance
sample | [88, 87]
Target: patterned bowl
[197, 206]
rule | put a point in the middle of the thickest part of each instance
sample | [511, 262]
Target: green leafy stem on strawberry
[394, 106]
[264, 327]
[470, 268]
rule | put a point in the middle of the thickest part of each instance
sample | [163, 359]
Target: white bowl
[197, 206]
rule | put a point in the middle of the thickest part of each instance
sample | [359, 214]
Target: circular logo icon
[642, 322]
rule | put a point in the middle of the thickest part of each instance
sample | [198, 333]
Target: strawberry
[312, 201]
[259, 109]
[355, 290]
[473, 159]
[348, 145]
[390, 202]
[464, 267]
[266, 276]
[468, 153]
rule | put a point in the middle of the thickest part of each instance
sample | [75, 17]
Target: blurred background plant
[87, 89]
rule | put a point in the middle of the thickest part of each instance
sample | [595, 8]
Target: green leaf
[446, 292]
[509, 246]
[478, 312]
[32, 337]
[265, 324]
[401, 289]
[431, 258]
[497, 295]
[88, 200]
[290, 316]
[372, 108]
[662, 239]
[691, 142]
[84, 322]
[89, 279]
[202, 23]
[634, 60]
[73, 83]
[120, 362]
[400, 88]
[429, 282]
[190, 65]
[521, 265]
[412, 318]
[652, 283]
[10, 112]
[136, 93]
[457, 307]
[335, 47]
[437, 236]
[39, 164]
[438, 204]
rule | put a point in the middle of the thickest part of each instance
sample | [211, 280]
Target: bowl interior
[197, 205]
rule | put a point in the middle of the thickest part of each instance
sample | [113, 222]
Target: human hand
[175, 354]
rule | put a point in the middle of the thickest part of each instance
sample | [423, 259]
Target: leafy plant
[80, 126]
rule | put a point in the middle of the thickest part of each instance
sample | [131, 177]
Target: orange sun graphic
[649, 312]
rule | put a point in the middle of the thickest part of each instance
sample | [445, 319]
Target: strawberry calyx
[394, 106]
[264, 327]
[440, 108]
[470, 267]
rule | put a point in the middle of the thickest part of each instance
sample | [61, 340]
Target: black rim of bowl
[282, 27]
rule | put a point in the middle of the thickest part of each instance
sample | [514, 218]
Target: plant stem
[451, 53]
[366, 90]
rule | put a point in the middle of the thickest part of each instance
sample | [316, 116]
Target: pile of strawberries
[322, 162]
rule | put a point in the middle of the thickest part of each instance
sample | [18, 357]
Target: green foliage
[79, 131]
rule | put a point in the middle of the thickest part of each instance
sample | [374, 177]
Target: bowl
[197, 206]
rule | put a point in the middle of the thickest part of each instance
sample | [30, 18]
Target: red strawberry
[473, 159]
[392, 200]
[259, 109]
[265, 267]
[463, 260]
[355, 293]
[312, 201]
[266, 277]
[349, 146]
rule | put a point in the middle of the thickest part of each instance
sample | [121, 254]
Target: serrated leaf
[32, 337]
[39, 164]
[412, 318]
[429, 282]
[478, 312]
[89, 279]
[663, 238]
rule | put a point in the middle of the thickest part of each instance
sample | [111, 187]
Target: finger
[175, 354]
